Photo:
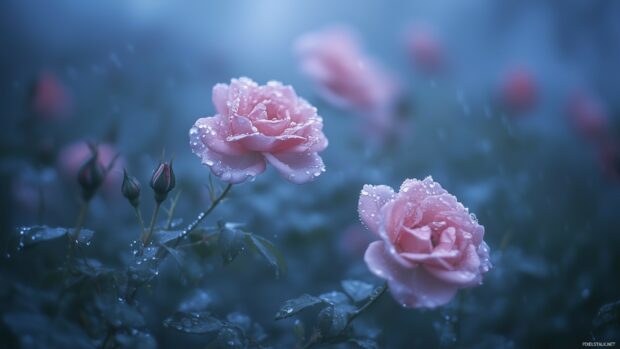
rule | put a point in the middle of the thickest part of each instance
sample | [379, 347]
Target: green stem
[76, 231]
[140, 220]
[146, 239]
[376, 294]
[202, 215]
[173, 206]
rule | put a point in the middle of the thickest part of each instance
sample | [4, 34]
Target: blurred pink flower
[73, 156]
[588, 116]
[519, 90]
[258, 124]
[431, 246]
[425, 50]
[50, 99]
[344, 74]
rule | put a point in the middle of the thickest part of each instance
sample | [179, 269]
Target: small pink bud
[163, 181]
[131, 189]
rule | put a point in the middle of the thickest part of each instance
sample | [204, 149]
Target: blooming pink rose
[73, 156]
[588, 116]
[50, 99]
[344, 74]
[431, 245]
[519, 91]
[258, 124]
[425, 50]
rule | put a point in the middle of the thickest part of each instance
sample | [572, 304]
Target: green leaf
[268, 251]
[332, 320]
[198, 322]
[230, 241]
[357, 290]
[295, 305]
[29, 236]
[164, 236]
[231, 338]
[175, 253]
[335, 297]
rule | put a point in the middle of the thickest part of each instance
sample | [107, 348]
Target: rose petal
[465, 274]
[262, 143]
[297, 167]
[212, 132]
[416, 240]
[219, 96]
[411, 287]
[233, 168]
[372, 199]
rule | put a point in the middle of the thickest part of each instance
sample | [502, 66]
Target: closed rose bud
[131, 189]
[90, 176]
[163, 181]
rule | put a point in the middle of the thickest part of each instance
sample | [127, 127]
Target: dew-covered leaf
[198, 301]
[335, 298]
[162, 237]
[91, 267]
[230, 241]
[607, 314]
[294, 306]
[29, 236]
[240, 319]
[196, 322]
[175, 253]
[135, 340]
[33, 235]
[231, 338]
[268, 251]
[357, 290]
[85, 236]
[332, 320]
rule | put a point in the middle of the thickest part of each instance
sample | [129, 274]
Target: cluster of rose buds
[162, 182]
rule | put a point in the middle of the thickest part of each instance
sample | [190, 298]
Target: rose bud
[131, 189]
[90, 176]
[163, 181]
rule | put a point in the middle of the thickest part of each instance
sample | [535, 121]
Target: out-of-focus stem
[140, 220]
[76, 231]
[147, 237]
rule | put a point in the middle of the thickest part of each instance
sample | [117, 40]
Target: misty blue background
[140, 72]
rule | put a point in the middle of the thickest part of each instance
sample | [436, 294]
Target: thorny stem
[147, 237]
[376, 294]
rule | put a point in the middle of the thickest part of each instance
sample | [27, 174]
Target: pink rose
[344, 74]
[431, 245]
[258, 124]
[519, 91]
